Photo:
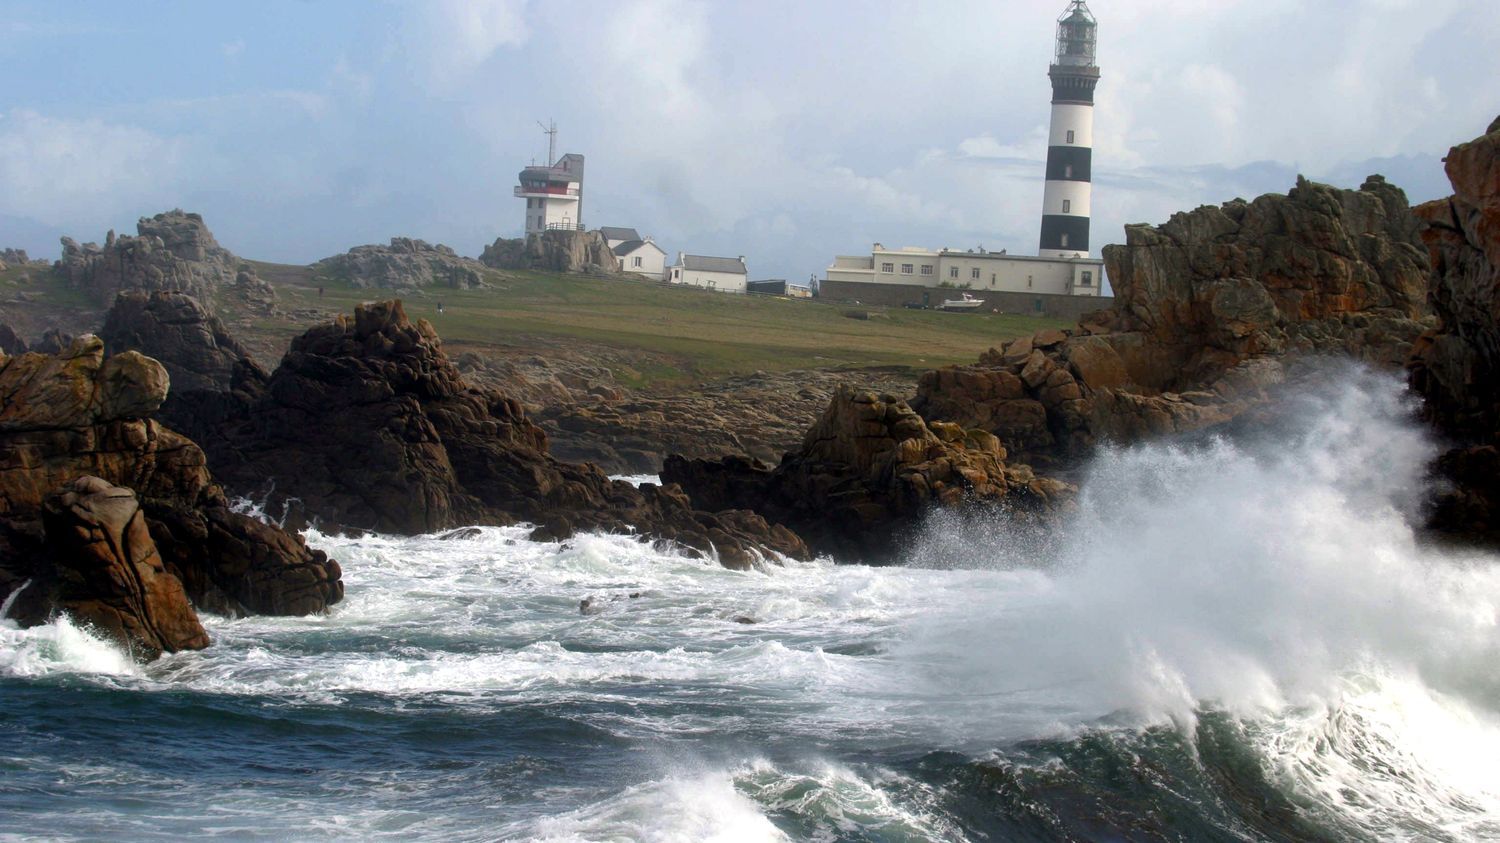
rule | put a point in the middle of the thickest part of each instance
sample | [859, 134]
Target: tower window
[1067, 206]
[1088, 279]
[1068, 171]
[1070, 136]
[1065, 241]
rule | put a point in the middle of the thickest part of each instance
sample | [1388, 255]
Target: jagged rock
[1209, 308]
[1456, 366]
[53, 341]
[366, 424]
[178, 331]
[10, 341]
[13, 257]
[578, 252]
[172, 251]
[254, 291]
[80, 413]
[867, 471]
[100, 565]
[404, 264]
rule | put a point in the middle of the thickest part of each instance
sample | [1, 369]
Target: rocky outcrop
[1209, 307]
[101, 566]
[868, 471]
[79, 413]
[367, 424]
[1456, 367]
[13, 257]
[171, 251]
[178, 331]
[10, 341]
[579, 252]
[403, 265]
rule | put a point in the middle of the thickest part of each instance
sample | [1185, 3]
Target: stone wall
[895, 295]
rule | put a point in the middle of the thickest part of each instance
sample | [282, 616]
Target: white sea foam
[59, 647]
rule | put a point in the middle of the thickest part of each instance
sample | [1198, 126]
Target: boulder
[1456, 366]
[367, 425]
[175, 329]
[403, 265]
[578, 252]
[82, 413]
[1217, 303]
[10, 341]
[867, 472]
[101, 566]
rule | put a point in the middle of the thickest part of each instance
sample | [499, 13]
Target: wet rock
[1456, 366]
[102, 568]
[868, 471]
[82, 413]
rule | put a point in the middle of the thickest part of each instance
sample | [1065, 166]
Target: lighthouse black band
[1054, 226]
[1060, 158]
[1073, 88]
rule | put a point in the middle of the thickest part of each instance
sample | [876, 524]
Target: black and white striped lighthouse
[1074, 73]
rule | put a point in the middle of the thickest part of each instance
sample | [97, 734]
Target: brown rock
[105, 571]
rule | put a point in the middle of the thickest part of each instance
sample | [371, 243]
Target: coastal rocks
[178, 331]
[867, 471]
[1456, 367]
[10, 341]
[575, 252]
[13, 257]
[172, 251]
[367, 424]
[102, 568]
[79, 413]
[404, 264]
[1209, 308]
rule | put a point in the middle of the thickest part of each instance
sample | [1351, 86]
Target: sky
[787, 131]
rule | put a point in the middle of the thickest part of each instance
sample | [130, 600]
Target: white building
[973, 270]
[554, 195]
[635, 253]
[726, 275]
[1070, 144]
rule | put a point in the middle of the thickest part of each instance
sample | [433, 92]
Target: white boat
[968, 302]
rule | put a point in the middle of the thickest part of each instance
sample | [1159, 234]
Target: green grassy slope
[705, 334]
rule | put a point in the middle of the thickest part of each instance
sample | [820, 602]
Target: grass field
[666, 335]
[705, 335]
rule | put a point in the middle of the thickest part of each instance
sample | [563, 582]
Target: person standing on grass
[440, 307]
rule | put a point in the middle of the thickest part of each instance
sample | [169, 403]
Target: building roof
[705, 263]
[632, 245]
[615, 233]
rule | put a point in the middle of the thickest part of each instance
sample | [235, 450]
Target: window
[635, 261]
[1028, 282]
[887, 267]
[1088, 279]
[1065, 241]
[1037, 305]
[1068, 171]
[974, 273]
[926, 269]
[1070, 136]
[907, 269]
[1067, 206]
[952, 272]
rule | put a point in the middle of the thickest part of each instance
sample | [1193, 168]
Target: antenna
[550, 130]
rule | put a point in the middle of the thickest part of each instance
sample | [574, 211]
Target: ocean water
[1232, 641]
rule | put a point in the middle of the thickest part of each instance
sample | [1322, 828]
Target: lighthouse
[1074, 73]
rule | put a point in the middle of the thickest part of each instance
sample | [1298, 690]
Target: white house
[726, 275]
[635, 253]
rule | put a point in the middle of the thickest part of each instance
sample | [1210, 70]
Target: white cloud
[66, 172]
[232, 49]
[450, 39]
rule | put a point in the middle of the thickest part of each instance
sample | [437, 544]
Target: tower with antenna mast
[554, 191]
[1074, 73]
